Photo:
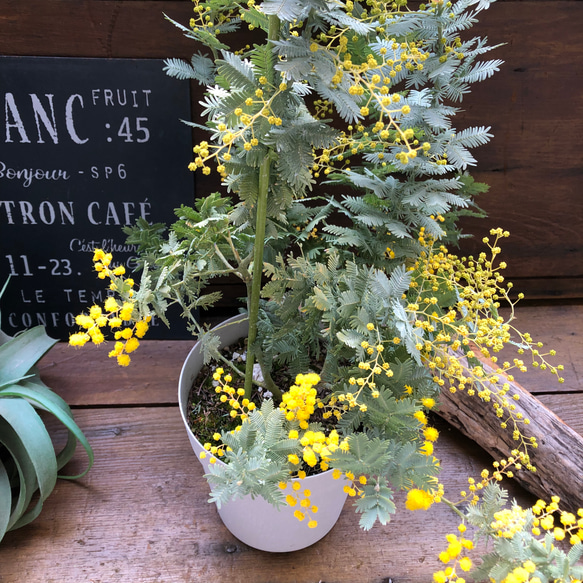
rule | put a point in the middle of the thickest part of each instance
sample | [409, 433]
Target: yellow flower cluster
[522, 574]
[372, 368]
[570, 526]
[419, 499]
[300, 401]
[545, 518]
[242, 132]
[509, 521]
[353, 487]
[430, 434]
[377, 365]
[216, 451]
[240, 407]
[369, 80]
[206, 19]
[455, 554]
[452, 340]
[248, 115]
[115, 315]
[319, 447]
[503, 468]
[299, 499]
[239, 404]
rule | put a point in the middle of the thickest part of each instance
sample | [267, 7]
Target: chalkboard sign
[86, 147]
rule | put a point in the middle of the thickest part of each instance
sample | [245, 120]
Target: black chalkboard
[86, 147]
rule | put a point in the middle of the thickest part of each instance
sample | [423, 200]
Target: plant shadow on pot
[254, 521]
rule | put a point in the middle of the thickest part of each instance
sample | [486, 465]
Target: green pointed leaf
[5, 500]
[350, 338]
[45, 399]
[21, 353]
[376, 504]
[24, 469]
[238, 72]
[284, 9]
[31, 431]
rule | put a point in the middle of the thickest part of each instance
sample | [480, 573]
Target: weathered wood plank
[141, 515]
[89, 28]
[533, 105]
[557, 327]
[568, 407]
[557, 289]
[534, 109]
[543, 212]
[87, 377]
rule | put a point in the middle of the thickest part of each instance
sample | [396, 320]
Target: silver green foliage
[553, 562]
[256, 459]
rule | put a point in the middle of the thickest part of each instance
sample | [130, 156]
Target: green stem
[224, 259]
[260, 222]
[273, 30]
[453, 507]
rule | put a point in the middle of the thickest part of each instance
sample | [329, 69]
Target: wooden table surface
[141, 514]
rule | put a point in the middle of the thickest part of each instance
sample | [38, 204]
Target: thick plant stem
[253, 307]
[260, 222]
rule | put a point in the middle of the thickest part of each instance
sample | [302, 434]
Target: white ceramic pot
[254, 521]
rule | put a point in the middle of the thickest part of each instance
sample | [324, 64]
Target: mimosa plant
[358, 98]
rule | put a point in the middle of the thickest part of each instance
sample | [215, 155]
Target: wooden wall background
[534, 105]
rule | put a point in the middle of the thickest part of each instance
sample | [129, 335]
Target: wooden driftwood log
[558, 459]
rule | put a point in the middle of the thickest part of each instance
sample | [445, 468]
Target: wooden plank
[141, 515]
[533, 163]
[89, 28]
[533, 105]
[559, 328]
[569, 407]
[544, 215]
[557, 289]
[87, 377]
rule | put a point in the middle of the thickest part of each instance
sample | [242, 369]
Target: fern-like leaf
[238, 72]
[376, 504]
[287, 10]
[394, 287]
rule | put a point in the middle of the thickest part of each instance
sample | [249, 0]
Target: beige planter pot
[254, 521]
